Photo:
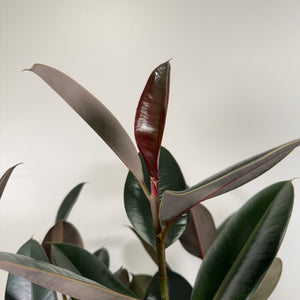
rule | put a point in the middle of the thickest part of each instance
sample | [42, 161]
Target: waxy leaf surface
[103, 255]
[18, 288]
[269, 282]
[179, 288]
[61, 232]
[95, 114]
[68, 203]
[137, 206]
[151, 116]
[245, 248]
[56, 278]
[200, 233]
[174, 204]
[88, 265]
[4, 179]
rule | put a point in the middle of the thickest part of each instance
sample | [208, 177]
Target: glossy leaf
[57, 279]
[123, 275]
[103, 255]
[139, 284]
[4, 179]
[269, 282]
[137, 205]
[61, 232]
[200, 233]
[175, 203]
[95, 114]
[151, 116]
[68, 203]
[243, 251]
[18, 288]
[88, 265]
[179, 288]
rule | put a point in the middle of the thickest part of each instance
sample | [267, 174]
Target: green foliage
[239, 258]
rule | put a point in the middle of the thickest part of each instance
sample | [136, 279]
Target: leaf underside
[4, 179]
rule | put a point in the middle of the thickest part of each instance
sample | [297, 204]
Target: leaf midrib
[237, 260]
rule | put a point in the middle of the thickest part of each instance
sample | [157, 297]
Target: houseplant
[239, 258]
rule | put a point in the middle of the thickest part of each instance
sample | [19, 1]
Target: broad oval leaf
[269, 282]
[103, 255]
[56, 278]
[18, 288]
[200, 233]
[61, 232]
[179, 288]
[137, 206]
[243, 251]
[68, 203]
[174, 204]
[151, 116]
[4, 179]
[88, 265]
[100, 119]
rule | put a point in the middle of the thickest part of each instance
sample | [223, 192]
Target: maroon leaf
[200, 233]
[4, 179]
[61, 232]
[95, 114]
[174, 204]
[151, 116]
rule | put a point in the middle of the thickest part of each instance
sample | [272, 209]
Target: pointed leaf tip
[99, 118]
[151, 116]
[174, 204]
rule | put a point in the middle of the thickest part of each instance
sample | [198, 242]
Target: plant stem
[160, 236]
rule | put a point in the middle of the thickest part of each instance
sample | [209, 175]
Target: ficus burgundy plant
[238, 258]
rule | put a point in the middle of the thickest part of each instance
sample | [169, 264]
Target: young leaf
[179, 288]
[56, 278]
[174, 204]
[123, 275]
[4, 179]
[18, 288]
[151, 116]
[103, 255]
[68, 203]
[200, 233]
[137, 205]
[88, 265]
[243, 251]
[139, 284]
[269, 282]
[95, 114]
[61, 232]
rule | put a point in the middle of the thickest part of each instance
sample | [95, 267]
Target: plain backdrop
[235, 92]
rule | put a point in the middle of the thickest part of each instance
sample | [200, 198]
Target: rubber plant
[238, 258]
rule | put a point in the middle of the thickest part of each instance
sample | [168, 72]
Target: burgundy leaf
[151, 116]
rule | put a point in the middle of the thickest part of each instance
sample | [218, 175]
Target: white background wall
[234, 92]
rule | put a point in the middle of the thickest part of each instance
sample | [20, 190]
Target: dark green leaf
[179, 288]
[137, 205]
[123, 275]
[151, 116]
[57, 279]
[18, 288]
[89, 266]
[200, 233]
[95, 114]
[103, 255]
[269, 282]
[243, 251]
[139, 284]
[67, 204]
[176, 203]
[61, 232]
[4, 179]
